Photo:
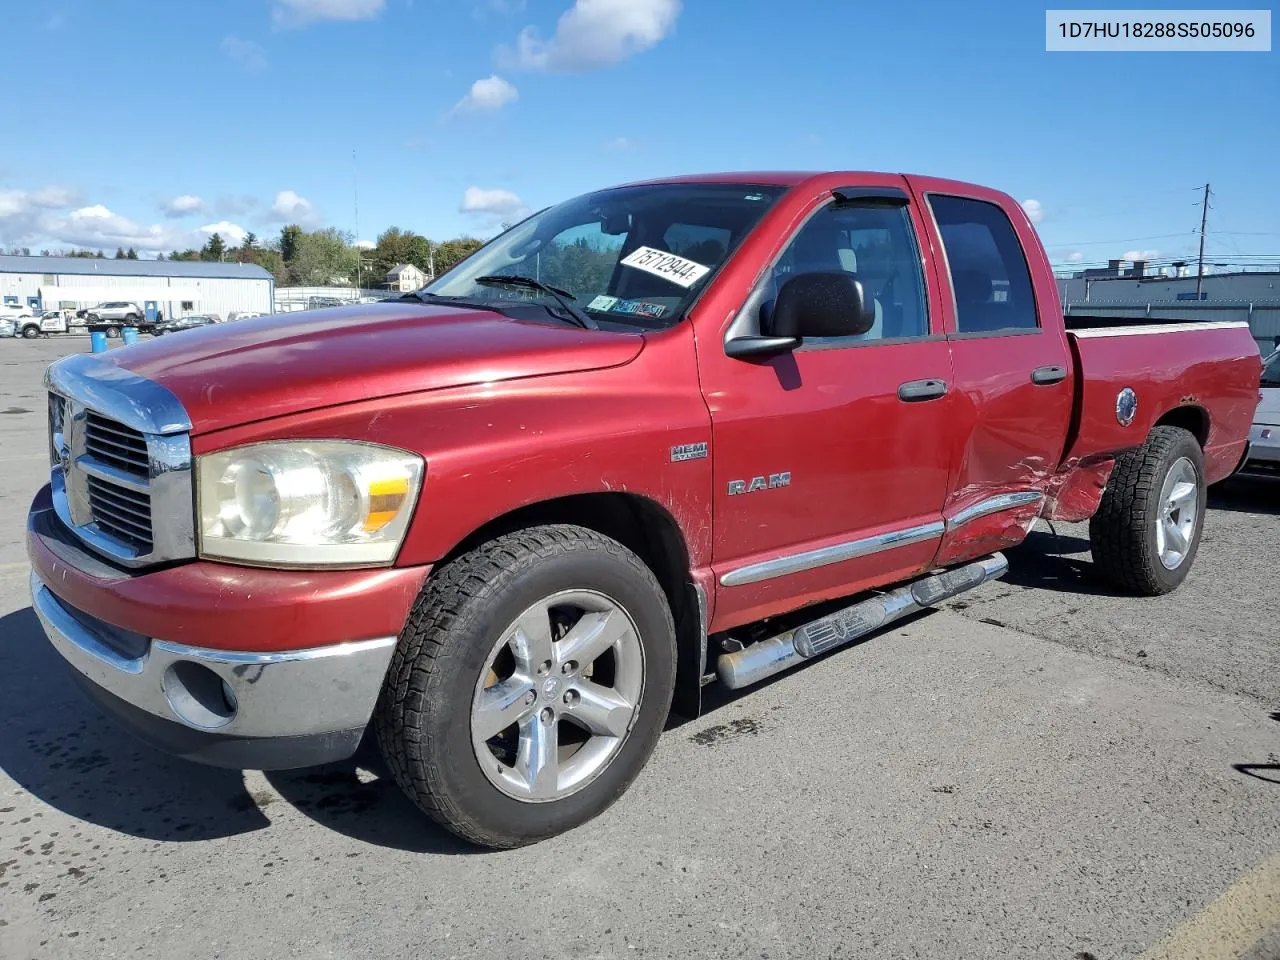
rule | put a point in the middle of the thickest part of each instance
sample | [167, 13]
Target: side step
[762, 660]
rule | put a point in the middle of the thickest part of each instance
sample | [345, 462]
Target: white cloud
[40, 218]
[248, 55]
[365, 245]
[491, 93]
[98, 226]
[594, 34]
[1075, 256]
[620, 143]
[298, 13]
[226, 230]
[1034, 209]
[15, 202]
[289, 207]
[182, 205]
[1140, 254]
[495, 204]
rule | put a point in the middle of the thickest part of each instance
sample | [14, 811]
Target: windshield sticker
[641, 308]
[678, 270]
[603, 302]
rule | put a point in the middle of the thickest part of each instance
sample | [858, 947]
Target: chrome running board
[767, 657]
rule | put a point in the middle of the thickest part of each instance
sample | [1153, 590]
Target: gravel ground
[1041, 770]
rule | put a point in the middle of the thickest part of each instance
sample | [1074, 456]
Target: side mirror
[827, 304]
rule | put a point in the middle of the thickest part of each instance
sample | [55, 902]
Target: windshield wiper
[562, 297]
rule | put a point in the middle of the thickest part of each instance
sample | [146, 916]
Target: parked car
[243, 315]
[114, 315]
[15, 311]
[1264, 439]
[174, 324]
[777, 413]
[8, 327]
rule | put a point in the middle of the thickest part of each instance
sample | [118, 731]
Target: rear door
[1012, 363]
[831, 462]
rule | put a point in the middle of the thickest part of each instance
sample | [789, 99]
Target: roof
[400, 268]
[92, 266]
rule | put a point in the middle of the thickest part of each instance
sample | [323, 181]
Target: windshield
[635, 255]
[1271, 371]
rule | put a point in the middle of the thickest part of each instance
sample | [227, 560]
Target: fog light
[198, 696]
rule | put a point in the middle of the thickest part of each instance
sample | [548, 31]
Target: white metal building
[178, 288]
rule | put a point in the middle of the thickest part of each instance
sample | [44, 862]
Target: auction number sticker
[678, 270]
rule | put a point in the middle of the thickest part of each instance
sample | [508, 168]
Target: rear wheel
[113, 332]
[30, 332]
[530, 685]
[1147, 530]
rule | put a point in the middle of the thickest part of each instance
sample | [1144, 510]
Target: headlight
[306, 502]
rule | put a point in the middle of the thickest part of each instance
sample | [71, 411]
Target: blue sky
[144, 122]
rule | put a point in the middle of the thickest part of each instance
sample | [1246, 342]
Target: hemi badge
[688, 451]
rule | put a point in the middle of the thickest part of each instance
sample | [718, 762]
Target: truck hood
[1269, 409]
[235, 373]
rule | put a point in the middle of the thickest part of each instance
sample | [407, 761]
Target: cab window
[989, 273]
[877, 245]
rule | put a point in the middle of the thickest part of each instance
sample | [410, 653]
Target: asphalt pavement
[1044, 769]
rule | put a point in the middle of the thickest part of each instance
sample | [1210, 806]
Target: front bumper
[248, 705]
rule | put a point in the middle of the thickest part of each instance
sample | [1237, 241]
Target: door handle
[914, 391]
[1044, 376]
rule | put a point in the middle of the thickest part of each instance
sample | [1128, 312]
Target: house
[406, 278]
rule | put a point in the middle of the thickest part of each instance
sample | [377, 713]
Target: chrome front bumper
[256, 710]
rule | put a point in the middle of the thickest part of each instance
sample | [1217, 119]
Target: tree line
[329, 257]
[312, 258]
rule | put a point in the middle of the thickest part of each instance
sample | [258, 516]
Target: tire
[30, 332]
[132, 318]
[92, 317]
[450, 654]
[1131, 534]
[113, 332]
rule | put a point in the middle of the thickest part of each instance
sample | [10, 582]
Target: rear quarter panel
[1212, 368]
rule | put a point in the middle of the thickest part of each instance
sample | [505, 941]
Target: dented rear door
[1014, 380]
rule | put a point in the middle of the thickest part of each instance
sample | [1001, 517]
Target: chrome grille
[121, 455]
[116, 445]
[121, 513]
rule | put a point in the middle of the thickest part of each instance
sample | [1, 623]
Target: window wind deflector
[878, 196]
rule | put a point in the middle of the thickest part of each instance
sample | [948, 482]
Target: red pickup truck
[654, 437]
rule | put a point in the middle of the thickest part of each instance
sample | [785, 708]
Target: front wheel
[1147, 529]
[30, 333]
[530, 685]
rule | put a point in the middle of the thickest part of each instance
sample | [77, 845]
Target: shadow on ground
[58, 747]
[1247, 495]
[1048, 560]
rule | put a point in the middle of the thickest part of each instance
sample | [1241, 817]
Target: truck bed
[1198, 375]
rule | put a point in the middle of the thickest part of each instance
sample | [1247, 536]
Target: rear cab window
[989, 275]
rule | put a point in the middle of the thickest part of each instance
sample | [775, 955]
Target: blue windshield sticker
[641, 308]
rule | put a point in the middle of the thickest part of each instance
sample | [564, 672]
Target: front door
[831, 462]
[1012, 371]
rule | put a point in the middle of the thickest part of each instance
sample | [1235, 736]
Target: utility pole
[355, 192]
[1204, 217]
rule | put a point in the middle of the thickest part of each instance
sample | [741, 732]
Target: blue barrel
[130, 335]
[98, 341]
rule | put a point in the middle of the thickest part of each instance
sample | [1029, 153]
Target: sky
[153, 124]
